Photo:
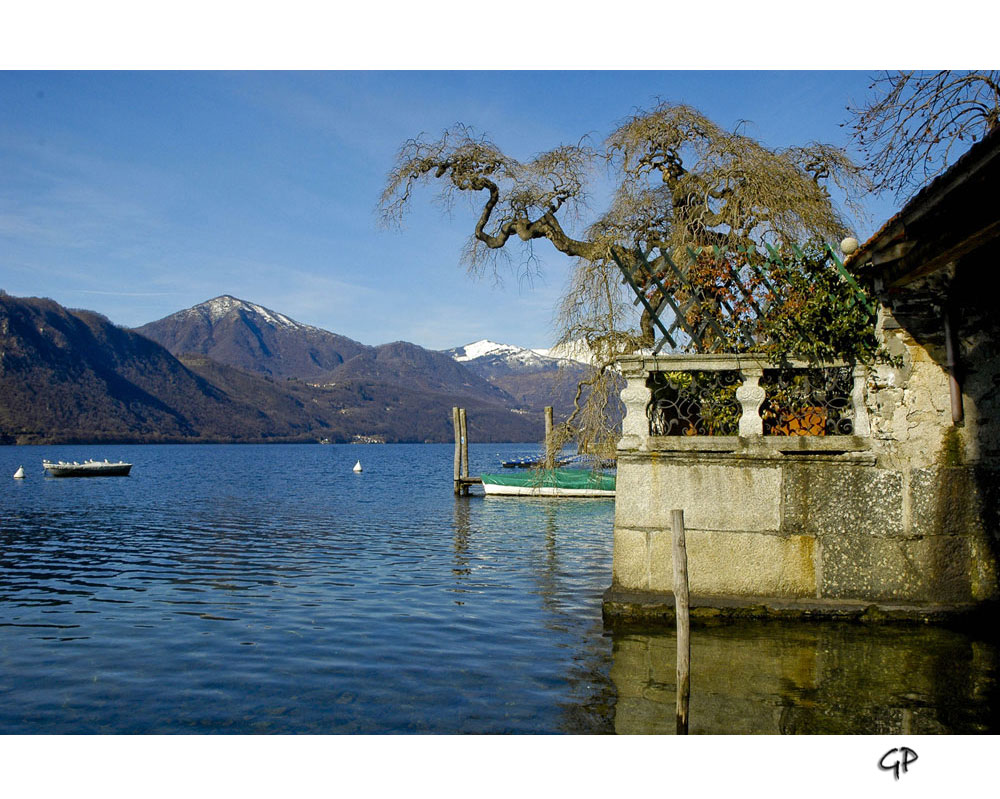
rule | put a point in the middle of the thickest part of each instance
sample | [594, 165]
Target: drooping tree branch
[918, 121]
[682, 182]
[523, 200]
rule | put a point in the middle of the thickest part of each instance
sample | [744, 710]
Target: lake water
[269, 589]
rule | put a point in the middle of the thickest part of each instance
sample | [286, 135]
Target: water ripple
[270, 590]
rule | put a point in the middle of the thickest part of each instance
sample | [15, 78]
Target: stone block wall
[910, 403]
[901, 516]
[816, 529]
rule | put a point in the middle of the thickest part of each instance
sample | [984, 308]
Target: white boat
[357, 466]
[554, 483]
[19, 474]
[90, 468]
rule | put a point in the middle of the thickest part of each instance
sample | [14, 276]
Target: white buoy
[19, 474]
[357, 466]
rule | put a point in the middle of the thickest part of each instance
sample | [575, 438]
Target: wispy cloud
[56, 195]
[127, 293]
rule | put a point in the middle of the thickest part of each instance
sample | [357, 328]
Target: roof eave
[910, 244]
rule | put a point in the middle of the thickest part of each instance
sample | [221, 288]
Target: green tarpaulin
[545, 481]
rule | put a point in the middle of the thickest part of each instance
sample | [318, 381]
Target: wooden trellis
[688, 309]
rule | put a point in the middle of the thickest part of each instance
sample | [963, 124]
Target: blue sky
[137, 194]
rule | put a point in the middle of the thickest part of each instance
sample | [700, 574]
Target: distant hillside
[72, 376]
[242, 334]
[404, 364]
[343, 410]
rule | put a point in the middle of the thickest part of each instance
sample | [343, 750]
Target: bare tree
[920, 121]
[681, 181]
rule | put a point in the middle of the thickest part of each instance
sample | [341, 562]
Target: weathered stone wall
[732, 509]
[904, 513]
[804, 527]
[910, 404]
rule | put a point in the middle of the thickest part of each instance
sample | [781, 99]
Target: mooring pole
[458, 450]
[465, 448]
[550, 455]
[681, 600]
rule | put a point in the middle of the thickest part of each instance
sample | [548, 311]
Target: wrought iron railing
[808, 402]
[712, 396]
[696, 403]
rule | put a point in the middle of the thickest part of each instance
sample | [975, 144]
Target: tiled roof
[980, 149]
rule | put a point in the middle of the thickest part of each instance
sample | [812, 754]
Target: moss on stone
[951, 448]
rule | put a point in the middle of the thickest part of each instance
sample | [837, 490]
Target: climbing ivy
[815, 312]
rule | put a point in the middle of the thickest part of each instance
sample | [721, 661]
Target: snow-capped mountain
[571, 351]
[490, 359]
[533, 377]
[220, 307]
[249, 336]
[253, 338]
[478, 349]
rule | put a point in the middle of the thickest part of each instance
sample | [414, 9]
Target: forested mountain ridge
[249, 336]
[73, 376]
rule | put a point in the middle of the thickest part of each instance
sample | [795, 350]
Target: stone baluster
[862, 424]
[751, 397]
[635, 397]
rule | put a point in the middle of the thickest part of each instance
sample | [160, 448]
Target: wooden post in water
[455, 418]
[681, 605]
[465, 448]
[550, 455]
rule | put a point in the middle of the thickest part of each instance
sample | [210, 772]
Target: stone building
[891, 510]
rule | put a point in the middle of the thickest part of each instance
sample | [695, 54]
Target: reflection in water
[808, 678]
[567, 563]
[461, 540]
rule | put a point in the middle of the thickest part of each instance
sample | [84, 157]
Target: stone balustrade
[728, 402]
[789, 499]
